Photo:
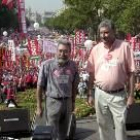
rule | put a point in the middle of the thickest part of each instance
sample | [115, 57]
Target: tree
[87, 15]
[78, 15]
[129, 19]
[8, 18]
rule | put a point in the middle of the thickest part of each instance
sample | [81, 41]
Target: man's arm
[41, 88]
[39, 101]
[131, 83]
[74, 92]
[90, 84]
[90, 87]
[75, 87]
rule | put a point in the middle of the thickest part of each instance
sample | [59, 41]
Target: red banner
[71, 40]
[79, 37]
[8, 3]
[21, 16]
[33, 47]
[5, 56]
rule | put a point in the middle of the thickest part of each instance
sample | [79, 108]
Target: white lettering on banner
[33, 47]
[35, 61]
[79, 37]
[11, 47]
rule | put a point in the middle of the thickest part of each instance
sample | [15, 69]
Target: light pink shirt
[111, 74]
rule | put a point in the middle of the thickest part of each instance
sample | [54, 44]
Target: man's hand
[73, 106]
[130, 100]
[39, 111]
[137, 86]
[90, 101]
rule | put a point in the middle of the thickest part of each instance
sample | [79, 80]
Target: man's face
[106, 34]
[63, 54]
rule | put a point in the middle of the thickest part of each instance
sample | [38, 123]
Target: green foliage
[8, 18]
[83, 14]
[129, 19]
[27, 100]
[83, 109]
[137, 94]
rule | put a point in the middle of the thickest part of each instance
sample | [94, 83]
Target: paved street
[87, 129]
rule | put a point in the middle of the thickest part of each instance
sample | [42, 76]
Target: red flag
[8, 3]
[33, 47]
[128, 37]
[4, 2]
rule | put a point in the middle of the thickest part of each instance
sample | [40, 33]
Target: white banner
[11, 47]
[49, 46]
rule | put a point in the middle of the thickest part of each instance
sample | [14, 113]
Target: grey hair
[107, 23]
[65, 43]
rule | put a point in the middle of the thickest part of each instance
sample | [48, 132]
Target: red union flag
[33, 47]
[79, 37]
[133, 43]
[128, 37]
[71, 40]
[9, 3]
[4, 2]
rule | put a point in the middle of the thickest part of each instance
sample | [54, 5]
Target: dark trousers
[2, 97]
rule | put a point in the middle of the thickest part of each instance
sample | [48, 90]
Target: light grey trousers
[58, 114]
[111, 114]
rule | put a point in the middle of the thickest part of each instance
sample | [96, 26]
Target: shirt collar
[56, 63]
[113, 45]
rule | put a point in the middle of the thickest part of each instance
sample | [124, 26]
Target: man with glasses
[58, 78]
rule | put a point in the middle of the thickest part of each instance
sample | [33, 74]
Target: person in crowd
[11, 91]
[82, 87]
[21, 83]
[29, 79]
[4, 85]
[58, 78]
[1, 97]
[111, 66]
[34, 80]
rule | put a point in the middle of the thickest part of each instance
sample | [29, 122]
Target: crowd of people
[107, 69]
[14, 81]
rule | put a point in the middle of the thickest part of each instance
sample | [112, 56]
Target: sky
[44, 5]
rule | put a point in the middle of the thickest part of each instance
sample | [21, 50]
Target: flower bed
[27, 100]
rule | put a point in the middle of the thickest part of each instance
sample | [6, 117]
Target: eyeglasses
[64, 51]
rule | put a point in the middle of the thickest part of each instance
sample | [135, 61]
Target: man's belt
[61, 98]
[110, 91]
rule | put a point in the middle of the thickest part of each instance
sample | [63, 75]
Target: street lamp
[36, 25]
[88, 44]
[100, 12]
[5, 38]
[5, 33]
